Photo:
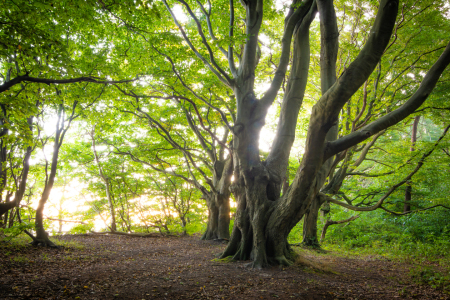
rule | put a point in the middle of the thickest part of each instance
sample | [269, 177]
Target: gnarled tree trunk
[218, 202]
[263, 218]
[263, 221]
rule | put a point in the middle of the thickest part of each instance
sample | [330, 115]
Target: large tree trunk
[263, 219]
[218, 202]
[257, 235]
[328, 55]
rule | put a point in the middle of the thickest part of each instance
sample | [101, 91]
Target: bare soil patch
[120, 267]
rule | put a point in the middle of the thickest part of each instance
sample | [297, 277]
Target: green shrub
[82, 228]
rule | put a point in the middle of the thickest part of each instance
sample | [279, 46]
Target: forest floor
[120, 267]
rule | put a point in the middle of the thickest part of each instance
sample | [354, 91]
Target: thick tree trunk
[328, 55]
[263, 223]
[218, 202]
[218, 218]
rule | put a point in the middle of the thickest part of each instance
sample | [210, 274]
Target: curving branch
[231, 62]
[413, 211]
[331, 222]
[208, 23]
[290, 25]
[394, 117]
[174, 69]
[362, 174]
[214, 67]
[25, 78]
[278, 158]
[202, 35]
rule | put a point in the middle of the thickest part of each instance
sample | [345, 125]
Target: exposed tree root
[308, 245]
[256, 265]
[282, 261]
[44, 243]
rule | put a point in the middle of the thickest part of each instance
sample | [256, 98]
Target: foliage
[81, 228]
[417, 237]
[160, 136]
[7, 234]
[424, 275]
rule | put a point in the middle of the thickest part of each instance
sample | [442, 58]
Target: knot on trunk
[238, 128]
[235, 188]
[258, 173]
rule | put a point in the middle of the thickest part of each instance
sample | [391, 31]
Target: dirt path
[118, 267]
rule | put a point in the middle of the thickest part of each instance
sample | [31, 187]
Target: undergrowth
[422, 237]
[431, 277]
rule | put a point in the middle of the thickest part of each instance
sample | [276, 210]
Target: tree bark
[329, 36]
[263, 218]
[218, 202]
[18, 196]
[310, 223]
[263, 223]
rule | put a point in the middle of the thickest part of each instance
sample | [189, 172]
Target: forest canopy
[254, 122]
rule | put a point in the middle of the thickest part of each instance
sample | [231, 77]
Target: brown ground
[119, 267]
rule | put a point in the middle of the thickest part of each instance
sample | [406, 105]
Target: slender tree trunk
[18, 196]
[310, 223]
[331, 222]
[12, 217]
[112, 211]
[183, 224]
[408, 191]
[61, 129]
[41, 235]
[105, 179]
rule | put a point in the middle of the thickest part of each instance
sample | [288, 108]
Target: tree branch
[392, 118]
[393, 188]
[5, 86]
[226, 80]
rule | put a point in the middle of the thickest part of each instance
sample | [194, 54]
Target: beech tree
[395, 78]
[185, 147]
[264, 218]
